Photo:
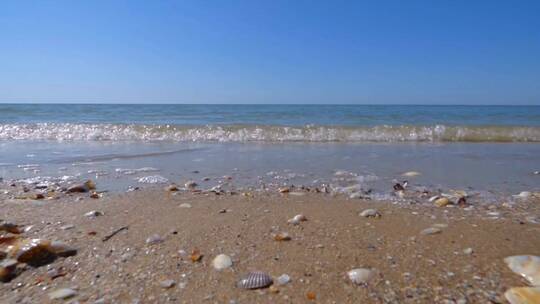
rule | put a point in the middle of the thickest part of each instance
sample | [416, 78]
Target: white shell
[431, 230]
[523, 295]
[361, 275]
[283, 279]
[221, 262]
[370, 213]
[64, 293]
[528, 266]
[297, 219]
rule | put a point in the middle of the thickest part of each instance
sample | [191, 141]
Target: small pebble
[154, 239]
[167, 284]
[431, 230]
[62, 294]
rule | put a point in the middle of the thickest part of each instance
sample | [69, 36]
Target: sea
[493, 151]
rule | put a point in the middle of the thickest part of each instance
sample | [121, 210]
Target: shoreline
[411, 267]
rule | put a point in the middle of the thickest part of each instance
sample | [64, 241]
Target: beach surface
[165, 252]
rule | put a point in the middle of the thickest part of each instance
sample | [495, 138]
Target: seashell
[310, 295]
[297, 219]
[8, 270]
[431, 230]
[196, 255]
[190, 184]
[523, 195]
[468, 251]
[167, 284]
[528, 266]
[222, 261]
[433, 198]
[171, 188]
[441, 202]
[62, 249]
[370, 213]
[154, 239]
[93, 213]
[34, 252]
[523, 295]
[282, 236]
[360, 276]
[10, 227]
[255, 280]
[283, 279]
[63, 293]
[284, 190]
[185, 205]
[411, 174]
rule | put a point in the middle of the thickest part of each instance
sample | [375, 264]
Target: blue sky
[366, 52]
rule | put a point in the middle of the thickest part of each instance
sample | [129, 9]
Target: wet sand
[411, 267]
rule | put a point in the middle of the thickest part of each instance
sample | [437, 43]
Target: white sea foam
[245, 133]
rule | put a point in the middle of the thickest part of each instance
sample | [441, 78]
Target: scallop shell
[523, 295]
[255, 280]
[528, 266]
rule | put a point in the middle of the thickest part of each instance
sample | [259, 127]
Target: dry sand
[411, 267]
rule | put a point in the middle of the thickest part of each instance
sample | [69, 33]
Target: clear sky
[366, 52]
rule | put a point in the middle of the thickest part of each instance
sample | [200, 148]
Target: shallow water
[494, 169]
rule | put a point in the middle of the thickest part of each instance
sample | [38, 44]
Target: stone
[222, 261]
[62, 294]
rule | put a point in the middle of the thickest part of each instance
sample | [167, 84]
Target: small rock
[361, 276]
[190, 184]
[67, 227]
[87, 186]
[282, 236]
[284, 190]
[283, 279]
[167, 284]
[468, 251]
[431, 230]
[154, 239]
[297, 219]
[62, 294]
[221, 262]
[370, 213]
[185, 205]
[172, 188]
[62, 249]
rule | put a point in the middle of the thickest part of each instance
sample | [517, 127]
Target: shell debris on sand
[441, 202]
[523, 295]
[255, 280]
[430, 230]
[282, 236]
[528, 266]
[222, 261]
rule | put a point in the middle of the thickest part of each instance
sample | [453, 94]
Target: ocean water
[494, 150]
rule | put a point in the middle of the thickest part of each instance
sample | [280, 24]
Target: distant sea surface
[271, 123]
[491, 150]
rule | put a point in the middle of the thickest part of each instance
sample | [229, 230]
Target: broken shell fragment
[93, 213]
[282, 236]
[361, 276]
[196, 255]
[523, 295]
[8, 270]
[297, 219]
[255, 280]
[284, 190]
[370, 213]
[34, 252]
[528, 266]
[431, 230]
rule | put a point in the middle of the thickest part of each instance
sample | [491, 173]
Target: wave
[252, 133]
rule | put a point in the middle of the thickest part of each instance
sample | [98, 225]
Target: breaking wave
[250, 133]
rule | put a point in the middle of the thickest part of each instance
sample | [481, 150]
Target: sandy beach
[151, 259]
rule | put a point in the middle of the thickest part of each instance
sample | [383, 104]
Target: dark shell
[254, 280]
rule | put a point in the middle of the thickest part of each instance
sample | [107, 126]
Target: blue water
[490, 149]
[270, 123]
[279, 115]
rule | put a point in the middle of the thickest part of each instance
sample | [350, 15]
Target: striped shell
[254, 280]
